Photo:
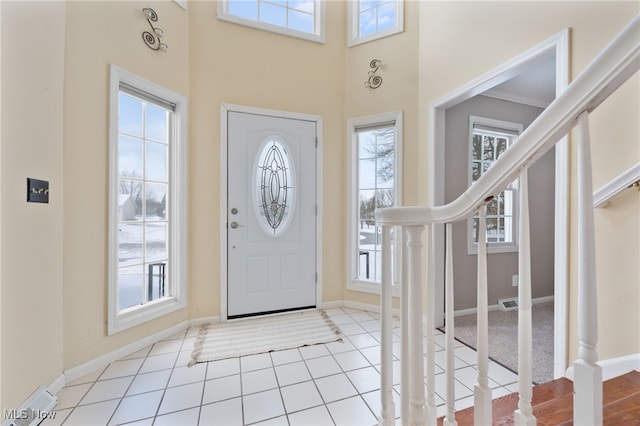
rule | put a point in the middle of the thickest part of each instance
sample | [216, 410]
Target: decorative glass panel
[275, 192]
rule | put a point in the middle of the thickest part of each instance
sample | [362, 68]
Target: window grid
[487, 147]
[299, 18]
[378, 147]
[144, 220]
[373, 19]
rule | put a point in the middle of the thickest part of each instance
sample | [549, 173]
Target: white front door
[271, 214]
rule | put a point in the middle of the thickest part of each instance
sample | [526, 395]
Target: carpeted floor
[503, 338]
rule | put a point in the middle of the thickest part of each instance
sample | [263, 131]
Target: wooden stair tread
[553, 403]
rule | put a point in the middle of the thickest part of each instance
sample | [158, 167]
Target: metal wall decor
[152, 39]
[274, 182]
[374, 80]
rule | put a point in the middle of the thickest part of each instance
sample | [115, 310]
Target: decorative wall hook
[374, 80]
[152, 39]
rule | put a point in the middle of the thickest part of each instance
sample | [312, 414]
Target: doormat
[265, 334]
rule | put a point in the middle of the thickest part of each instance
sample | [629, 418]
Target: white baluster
[482, 391]
[416, 352]
[387, 417]
[524, 414]
[431, 410]
[450, 418]
[587, 397]
[404, 337]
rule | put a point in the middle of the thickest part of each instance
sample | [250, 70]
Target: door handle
[235, 225]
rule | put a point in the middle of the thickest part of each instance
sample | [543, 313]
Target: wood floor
[553, 403]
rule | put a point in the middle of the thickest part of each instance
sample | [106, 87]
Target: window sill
[150, 311]
[370, 287]
[472, 251]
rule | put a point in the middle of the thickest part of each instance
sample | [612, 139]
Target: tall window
[374, 19]
[295, 18]
[146, 275]
[375, 183]
[489, 140]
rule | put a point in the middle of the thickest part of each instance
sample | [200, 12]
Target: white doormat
[264, 334]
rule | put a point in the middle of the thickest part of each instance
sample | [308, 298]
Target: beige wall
[455, 49]
[32, 234]
[99, 34]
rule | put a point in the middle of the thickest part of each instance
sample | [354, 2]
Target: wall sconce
[374, 80]
[152, 39]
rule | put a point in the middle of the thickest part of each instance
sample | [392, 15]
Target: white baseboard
[106, 359]
[331, 305]
[496, 307]
[197, 322]
[613, 367]
[57, 384]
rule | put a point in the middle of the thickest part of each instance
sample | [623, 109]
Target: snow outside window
[374, 183]
[146, 265]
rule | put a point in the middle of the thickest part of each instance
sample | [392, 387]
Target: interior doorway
[506, 82]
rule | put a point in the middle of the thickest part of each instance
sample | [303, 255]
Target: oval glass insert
[275, 191]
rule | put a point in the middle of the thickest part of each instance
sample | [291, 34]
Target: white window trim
[492, 247]
[118, 321]
[367, 286]
[353, 18]
[318, 36]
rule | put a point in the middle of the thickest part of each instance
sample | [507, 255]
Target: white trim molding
[559, 43]
[177, 228]
[616, 185]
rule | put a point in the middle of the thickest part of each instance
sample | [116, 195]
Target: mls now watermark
[27, 413]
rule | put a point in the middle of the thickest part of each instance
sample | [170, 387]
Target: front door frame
[225, 109]
[560, 44]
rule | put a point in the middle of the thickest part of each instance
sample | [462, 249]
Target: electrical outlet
[37, 191]
[514, 280]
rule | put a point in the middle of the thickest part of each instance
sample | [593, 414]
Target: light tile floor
[330, 384]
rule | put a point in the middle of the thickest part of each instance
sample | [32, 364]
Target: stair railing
[610, 69]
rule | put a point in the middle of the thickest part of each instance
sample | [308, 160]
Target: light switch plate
[37, 191]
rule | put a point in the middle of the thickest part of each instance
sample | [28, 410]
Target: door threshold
[270, 313]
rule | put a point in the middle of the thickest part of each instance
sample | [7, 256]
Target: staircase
[553, 403]
[586, 400]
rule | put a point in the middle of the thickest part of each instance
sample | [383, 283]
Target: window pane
[130, 239]
[367, 23]
[367, 206]
[387, 16]
[367, 4]
[302, 5]
[156, 241]
[131, 281]
[492, 229]
[301, 21]
[129, 200]
[488, 148]
[244, 8]
[384, 198]
[129, 156]
[273, 15]
[156, 157]
[367, 174]
[156, 123]
[156, 201]
[475, 171]
[159, 280]
[476, 153]
[129, 115]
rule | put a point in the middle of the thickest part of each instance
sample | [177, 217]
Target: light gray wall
[501, 266]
